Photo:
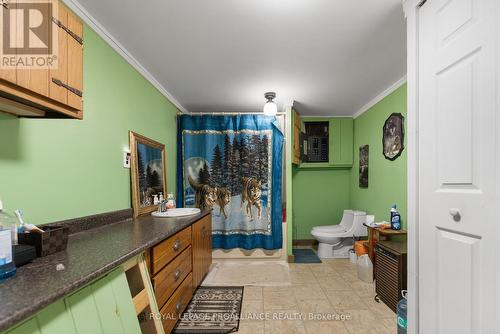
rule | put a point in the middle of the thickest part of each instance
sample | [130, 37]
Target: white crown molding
[79, 10]
[380, 97]
[325, 116]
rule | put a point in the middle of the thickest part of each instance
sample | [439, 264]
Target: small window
[314, 142]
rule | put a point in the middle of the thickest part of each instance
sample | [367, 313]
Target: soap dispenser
[7, 229]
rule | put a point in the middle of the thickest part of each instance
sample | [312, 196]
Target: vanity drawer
[170, 277]
[167, 250]
[176, 304]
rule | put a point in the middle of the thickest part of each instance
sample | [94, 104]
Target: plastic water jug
[365, 268]
[401, 314]
[353, 257]
[8, 234]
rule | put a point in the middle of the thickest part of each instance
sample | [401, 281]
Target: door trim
[411, 10]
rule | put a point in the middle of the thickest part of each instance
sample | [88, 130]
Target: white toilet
[335, 241]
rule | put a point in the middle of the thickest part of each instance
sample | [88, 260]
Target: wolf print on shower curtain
[232, 165]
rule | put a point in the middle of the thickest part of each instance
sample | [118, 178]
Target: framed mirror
[148, 173]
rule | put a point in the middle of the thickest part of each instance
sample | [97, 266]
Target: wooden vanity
[177, 266]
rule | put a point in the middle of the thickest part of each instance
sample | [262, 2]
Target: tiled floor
[330, 292]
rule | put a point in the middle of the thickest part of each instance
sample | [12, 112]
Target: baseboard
[305, 242]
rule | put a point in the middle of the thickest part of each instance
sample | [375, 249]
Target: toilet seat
[330, 228]
[326, 237]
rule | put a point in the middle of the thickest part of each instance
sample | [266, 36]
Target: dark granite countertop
[89, 255]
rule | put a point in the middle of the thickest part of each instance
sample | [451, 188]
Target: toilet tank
[347, 219]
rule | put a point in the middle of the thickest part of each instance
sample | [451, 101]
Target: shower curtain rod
[230, 113]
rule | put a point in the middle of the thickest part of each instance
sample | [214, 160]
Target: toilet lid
[330, 228]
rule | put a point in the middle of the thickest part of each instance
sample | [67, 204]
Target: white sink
[180, 212]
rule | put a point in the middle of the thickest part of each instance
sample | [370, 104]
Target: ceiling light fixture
[270, 108]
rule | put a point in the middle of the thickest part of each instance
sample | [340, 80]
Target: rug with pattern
[212, 310]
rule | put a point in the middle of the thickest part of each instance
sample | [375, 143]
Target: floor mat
[254, 273]
[212, 310]
[305, 256]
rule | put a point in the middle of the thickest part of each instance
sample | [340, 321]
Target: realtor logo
[29, 37]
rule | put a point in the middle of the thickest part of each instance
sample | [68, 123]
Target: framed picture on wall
[148, 173]
[393, 136]
[363, 166]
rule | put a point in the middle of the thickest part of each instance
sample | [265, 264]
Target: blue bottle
[401, 314]
[395, 218]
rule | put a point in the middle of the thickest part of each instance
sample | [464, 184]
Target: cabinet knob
[177, 274]
[176, 245]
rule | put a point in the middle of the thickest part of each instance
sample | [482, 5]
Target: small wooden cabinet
[47, 91]
[390, 272]
[178, 266]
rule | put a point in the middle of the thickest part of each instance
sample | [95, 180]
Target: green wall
[387, 179]
[319, 198]
[57, 169]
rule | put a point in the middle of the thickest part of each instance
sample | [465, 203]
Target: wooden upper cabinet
[55, 90]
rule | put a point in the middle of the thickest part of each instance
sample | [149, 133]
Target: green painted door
[104, 306]
[343, 134]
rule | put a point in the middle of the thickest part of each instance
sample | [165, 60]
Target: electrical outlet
[126, 159]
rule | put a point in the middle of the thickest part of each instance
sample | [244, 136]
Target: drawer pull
[178, 305]
[177, 274]
[176, 245]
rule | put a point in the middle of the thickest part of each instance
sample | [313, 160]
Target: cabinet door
[8, 74]
[75, 62]
[60, 73]
[296, 138]
[114, 304]
[197, 246]
[202, 249]
[347, 141]
[207, 237]
[341, 142]
[36, 80]
[104, 306]
[28, 327]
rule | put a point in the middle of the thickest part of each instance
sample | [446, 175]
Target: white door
[458, 142]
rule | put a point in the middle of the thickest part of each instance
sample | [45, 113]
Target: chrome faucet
[162, 206]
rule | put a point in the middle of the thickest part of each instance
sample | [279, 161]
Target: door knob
[455, 213]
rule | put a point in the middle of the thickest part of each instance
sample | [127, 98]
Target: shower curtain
[232, 165]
